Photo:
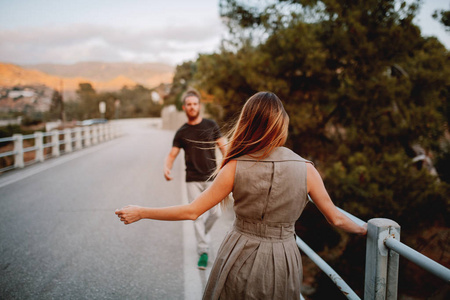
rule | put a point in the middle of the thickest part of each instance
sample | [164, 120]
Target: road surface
[60, 238]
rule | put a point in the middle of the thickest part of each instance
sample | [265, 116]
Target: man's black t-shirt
[198, 142]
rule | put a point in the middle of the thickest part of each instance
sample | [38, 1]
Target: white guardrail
[54, 143]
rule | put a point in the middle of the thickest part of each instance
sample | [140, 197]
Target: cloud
[86, 42]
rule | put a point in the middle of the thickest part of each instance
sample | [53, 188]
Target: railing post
[100, 133]
[381, 278]
[67, 140]
[111, 131]
[94, 134]
[18, 149]
[87, 136]
[107, 131]
[39, 144]
[55, 143]
[78, 144]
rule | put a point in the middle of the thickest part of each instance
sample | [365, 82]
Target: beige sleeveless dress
[259, 258]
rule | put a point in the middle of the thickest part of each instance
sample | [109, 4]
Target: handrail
[81, 136]
[381, 275]
[334, 276]
[352, 217]
[7, 139]
[418, 258]
[7, 153]
[329, 271]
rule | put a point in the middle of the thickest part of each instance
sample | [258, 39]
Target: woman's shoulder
[278, 154]
[285, 154]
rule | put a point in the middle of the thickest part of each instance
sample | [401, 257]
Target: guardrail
[383, 249]
[48, 144]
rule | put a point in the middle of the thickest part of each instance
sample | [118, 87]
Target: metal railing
[49, 144]
[382, 261]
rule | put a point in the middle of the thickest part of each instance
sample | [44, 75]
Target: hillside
[147, 74]
[102, 76]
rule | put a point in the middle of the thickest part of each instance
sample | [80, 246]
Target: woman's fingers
[127, 214]
[121, 215]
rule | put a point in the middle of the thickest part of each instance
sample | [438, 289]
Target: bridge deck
[60, 238]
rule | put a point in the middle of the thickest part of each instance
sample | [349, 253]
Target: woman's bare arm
[322, 200]
[220, 188]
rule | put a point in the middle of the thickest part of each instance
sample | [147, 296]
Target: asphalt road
[60, 238]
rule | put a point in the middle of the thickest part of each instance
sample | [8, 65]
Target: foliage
[364, 91]
[88, 101]
[183, 79]
[127, 103]
[444, 17]
[10, 130]
[32, 119]
[56, 110]
[359, 82]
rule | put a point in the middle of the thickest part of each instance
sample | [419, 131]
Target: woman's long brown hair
[262, 125]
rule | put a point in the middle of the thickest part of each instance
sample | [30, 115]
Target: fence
[382, 261]
[53, 143]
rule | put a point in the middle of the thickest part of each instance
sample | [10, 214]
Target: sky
[167, 31]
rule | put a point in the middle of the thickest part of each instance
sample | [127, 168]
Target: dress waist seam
[264, 230]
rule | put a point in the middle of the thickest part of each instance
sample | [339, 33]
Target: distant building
[36, 98]
[20, 94]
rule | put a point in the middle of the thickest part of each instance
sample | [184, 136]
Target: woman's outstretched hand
[365, 229]
[129, 214]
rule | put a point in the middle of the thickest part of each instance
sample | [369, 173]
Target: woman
[258, 258]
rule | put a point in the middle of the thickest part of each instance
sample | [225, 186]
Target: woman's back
[272, 190]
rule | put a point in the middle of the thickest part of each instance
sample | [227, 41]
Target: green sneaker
[203, 261]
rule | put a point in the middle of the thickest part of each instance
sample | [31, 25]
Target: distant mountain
[147, 74]
[22, 87]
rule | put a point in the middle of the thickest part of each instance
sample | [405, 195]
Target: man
[198, 138]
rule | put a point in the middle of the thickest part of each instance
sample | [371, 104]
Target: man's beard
[193, 117]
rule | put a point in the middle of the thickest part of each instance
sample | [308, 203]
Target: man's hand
[167, 174]
[129, 214]
[169, 162]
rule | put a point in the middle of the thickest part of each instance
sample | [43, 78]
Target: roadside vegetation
[368, 100]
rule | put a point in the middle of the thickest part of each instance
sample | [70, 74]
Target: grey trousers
[204, 223]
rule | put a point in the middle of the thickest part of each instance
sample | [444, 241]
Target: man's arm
[221, 143]
[169, 162]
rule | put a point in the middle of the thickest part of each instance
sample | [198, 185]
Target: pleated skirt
[251, 266]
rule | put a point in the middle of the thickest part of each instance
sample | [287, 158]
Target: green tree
[183, 78]
[88, 101]
[364, 91]
[357, 78]
[444, 17]
[137, 102]
[56, 107]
